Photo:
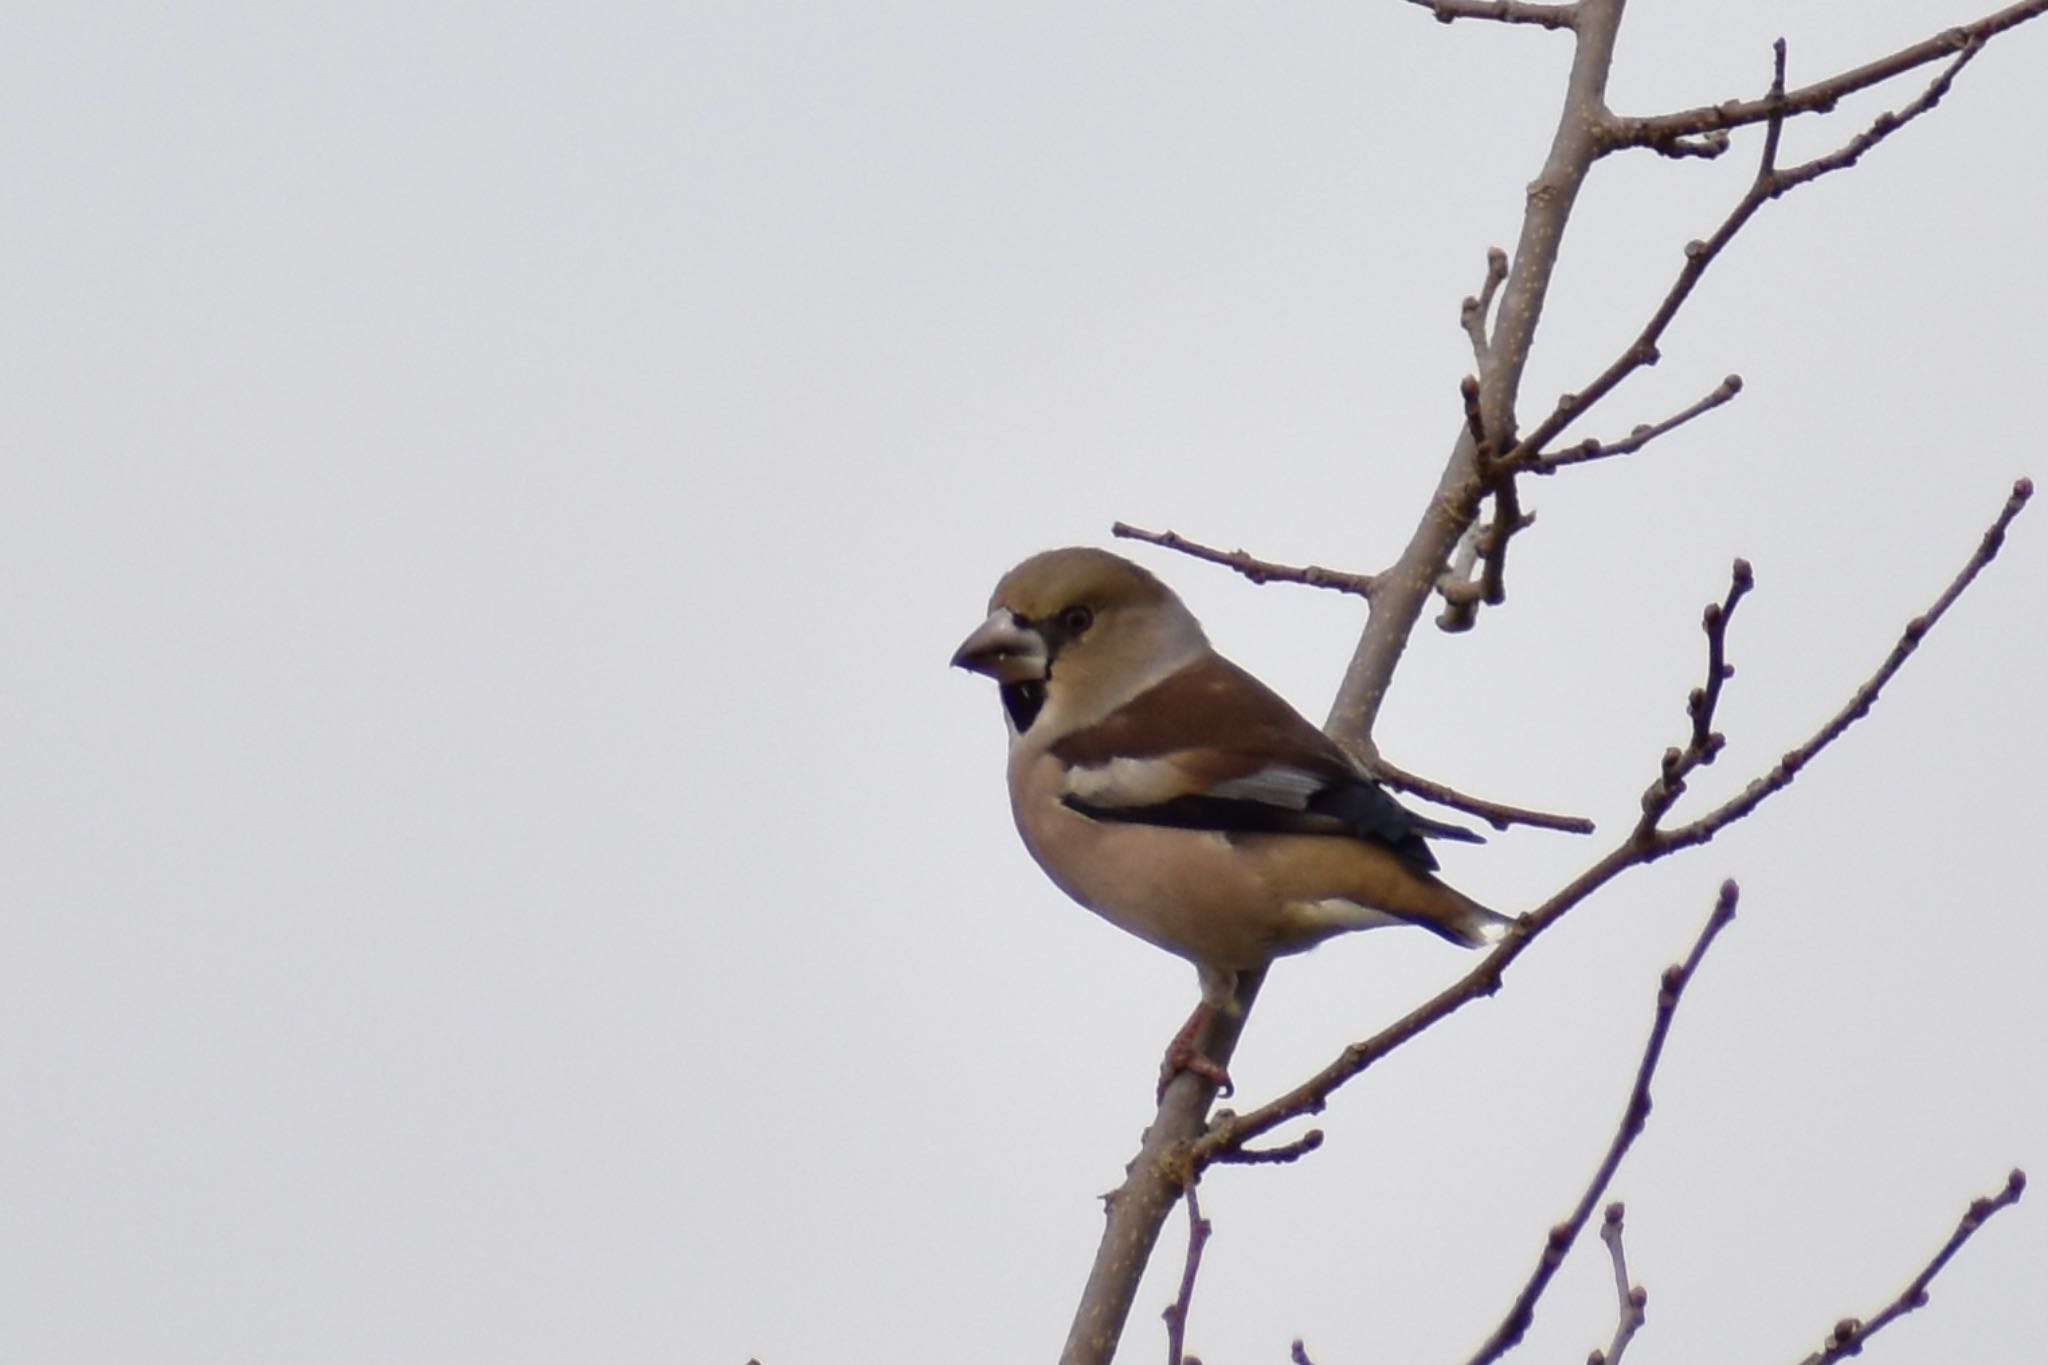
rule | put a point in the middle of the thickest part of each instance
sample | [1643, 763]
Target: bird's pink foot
[1183, 1055]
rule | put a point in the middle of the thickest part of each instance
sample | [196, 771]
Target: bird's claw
[1182, 1056]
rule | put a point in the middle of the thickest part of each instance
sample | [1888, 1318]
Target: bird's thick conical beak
[1003, 649]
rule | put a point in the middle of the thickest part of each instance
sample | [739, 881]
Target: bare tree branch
[1593, 449]
[1632, 1300]
[1634, 1116]
[1495, 813]
[1850, 1335]
[1496, 536]
[1769, 183]
[1475, 419]
[1274, 1156]
[1176, 1313]
[1821, 96]
[1858, 706]
[1259, 571]
[1476, 308]
[1177, 1144]
[1484, 547]
[1156, 1176]
[1401, 591]
[1501, 11]
[1640, 847]
[1774, 120]
[1705, 743]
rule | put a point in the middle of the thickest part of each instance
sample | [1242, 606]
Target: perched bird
[1180, 798]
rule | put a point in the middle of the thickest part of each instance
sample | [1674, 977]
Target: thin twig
[1508, 518]
[1774, 104]
[1475, 420]
[1259, 571]
[1496, 397]
[1502, 11]
[1486, 548]
[1495, 813]
[1177, 1140]
[1456, 584]
[1487, 545]
[1705, 742]
[1594, 449]
[1823, 95]
[1274, 1156]
[1769, 183]
[1634, 1116]
[1312, 1095]
[1850, 1335]
[1858, 705]
[1882, 127]
[1176, 1313]
[1632, 1300]
[1404, 588]
[1474, 311]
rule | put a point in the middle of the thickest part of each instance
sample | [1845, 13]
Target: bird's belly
[1184, 890]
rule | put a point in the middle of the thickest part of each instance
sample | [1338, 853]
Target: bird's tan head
[1080, 628]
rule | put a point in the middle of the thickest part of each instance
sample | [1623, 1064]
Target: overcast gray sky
[496, 867]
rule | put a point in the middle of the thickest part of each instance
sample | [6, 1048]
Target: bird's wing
[1213, 748]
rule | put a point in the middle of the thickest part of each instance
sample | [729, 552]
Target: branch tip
[1641, 435]
[1551, 16]
[1515, 1323]
[1495, 813]
[1659, 131]
[1858, 706]
[1293, 1151]
[1849, 1335]
[1176, 1313]
[1259, 571]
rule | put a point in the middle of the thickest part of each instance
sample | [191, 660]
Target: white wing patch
[1152, 781]
[1277, 785]
[1127, 782]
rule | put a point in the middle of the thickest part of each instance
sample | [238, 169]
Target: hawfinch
[1177, 796]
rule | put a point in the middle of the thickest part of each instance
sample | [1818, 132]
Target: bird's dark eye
[1076, 619]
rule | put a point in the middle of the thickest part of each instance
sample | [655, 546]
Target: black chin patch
[1023, 700]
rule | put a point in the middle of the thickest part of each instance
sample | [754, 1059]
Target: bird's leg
[1182, 1055]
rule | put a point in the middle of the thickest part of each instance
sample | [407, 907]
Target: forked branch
[1858, 706]
[1823, 95]
[1644, 844]
[1178, 1144]
[1635, 1114]
[1632, 1300]
[1477, 308]
[1770, 182]
[1700, 136]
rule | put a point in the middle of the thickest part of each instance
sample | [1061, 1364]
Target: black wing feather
[1356, 809]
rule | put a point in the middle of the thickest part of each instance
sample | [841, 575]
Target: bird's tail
[1465, 921]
